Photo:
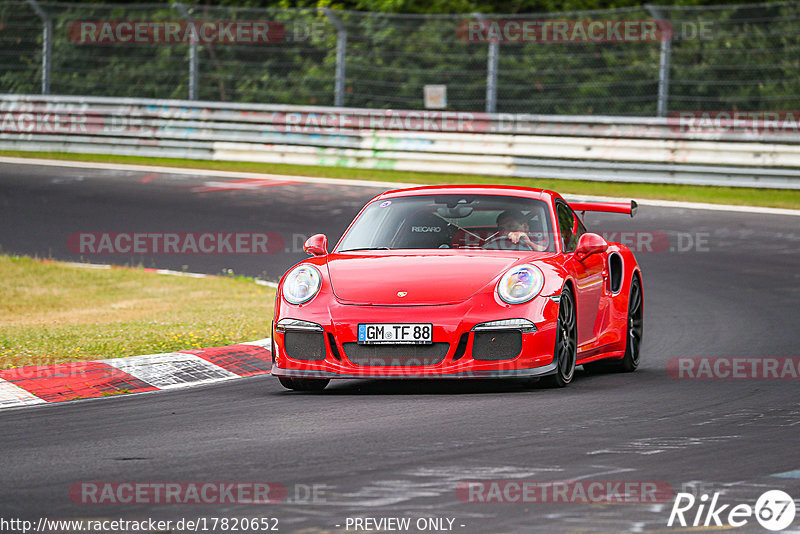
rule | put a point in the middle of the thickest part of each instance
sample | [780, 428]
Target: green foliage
[725, 57]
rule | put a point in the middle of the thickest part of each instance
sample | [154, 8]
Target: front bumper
[458, 351]
[509, 373]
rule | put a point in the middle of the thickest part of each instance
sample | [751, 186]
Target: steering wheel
[539, 240]
[503, 242]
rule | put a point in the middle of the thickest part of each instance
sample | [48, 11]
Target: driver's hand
[516, 237]
[522, 237]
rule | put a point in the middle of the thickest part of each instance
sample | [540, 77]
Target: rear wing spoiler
[608, 207]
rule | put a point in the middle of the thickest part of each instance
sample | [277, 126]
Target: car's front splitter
[501, 373]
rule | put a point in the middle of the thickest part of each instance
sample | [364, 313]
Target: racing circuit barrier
[677, 150]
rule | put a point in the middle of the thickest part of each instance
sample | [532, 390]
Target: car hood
[436, 278]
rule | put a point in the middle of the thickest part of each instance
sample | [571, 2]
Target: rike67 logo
[774, 510]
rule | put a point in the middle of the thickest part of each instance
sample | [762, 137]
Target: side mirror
[316, 245]
[590, 244]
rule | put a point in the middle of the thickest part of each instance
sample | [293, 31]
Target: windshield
[488, 222]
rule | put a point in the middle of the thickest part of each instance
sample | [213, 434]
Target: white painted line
[13, 395]
[265, 343]
[204, 172]
[788, 474]
[167, 272]
[182, 273]
[171, 370]
[373, 183]
[87, 265]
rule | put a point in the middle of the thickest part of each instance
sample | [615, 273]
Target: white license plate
[405, 333]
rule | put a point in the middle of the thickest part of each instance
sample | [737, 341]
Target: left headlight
[301, 284]
[520, 284]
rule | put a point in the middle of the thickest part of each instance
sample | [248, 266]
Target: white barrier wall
[587, 148]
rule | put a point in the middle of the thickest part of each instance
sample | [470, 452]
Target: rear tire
[303, 384]
[566, 350]
[634, 330]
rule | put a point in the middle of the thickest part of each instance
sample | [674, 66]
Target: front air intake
[308, 346]
[497, 345]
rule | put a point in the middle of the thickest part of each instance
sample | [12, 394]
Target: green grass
[52, 312]
[777, 198]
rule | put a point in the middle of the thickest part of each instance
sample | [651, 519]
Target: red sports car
[460, 282]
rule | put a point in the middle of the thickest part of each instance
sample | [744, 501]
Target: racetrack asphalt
[728, 285]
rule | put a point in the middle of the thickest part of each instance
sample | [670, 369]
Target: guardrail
[623, 149]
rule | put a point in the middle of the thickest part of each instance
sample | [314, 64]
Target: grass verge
[776, 198]
[52, 312]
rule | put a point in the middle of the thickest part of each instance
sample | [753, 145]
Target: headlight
[301, 284]
[520, 284]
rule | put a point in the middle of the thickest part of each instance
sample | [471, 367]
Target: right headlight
[301, 284]
[520, 284]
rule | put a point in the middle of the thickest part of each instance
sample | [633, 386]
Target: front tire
[566, 350]
[303, 384]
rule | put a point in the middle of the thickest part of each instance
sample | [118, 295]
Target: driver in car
[512, 233]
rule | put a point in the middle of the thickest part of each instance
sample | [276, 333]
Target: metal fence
[712, 58]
